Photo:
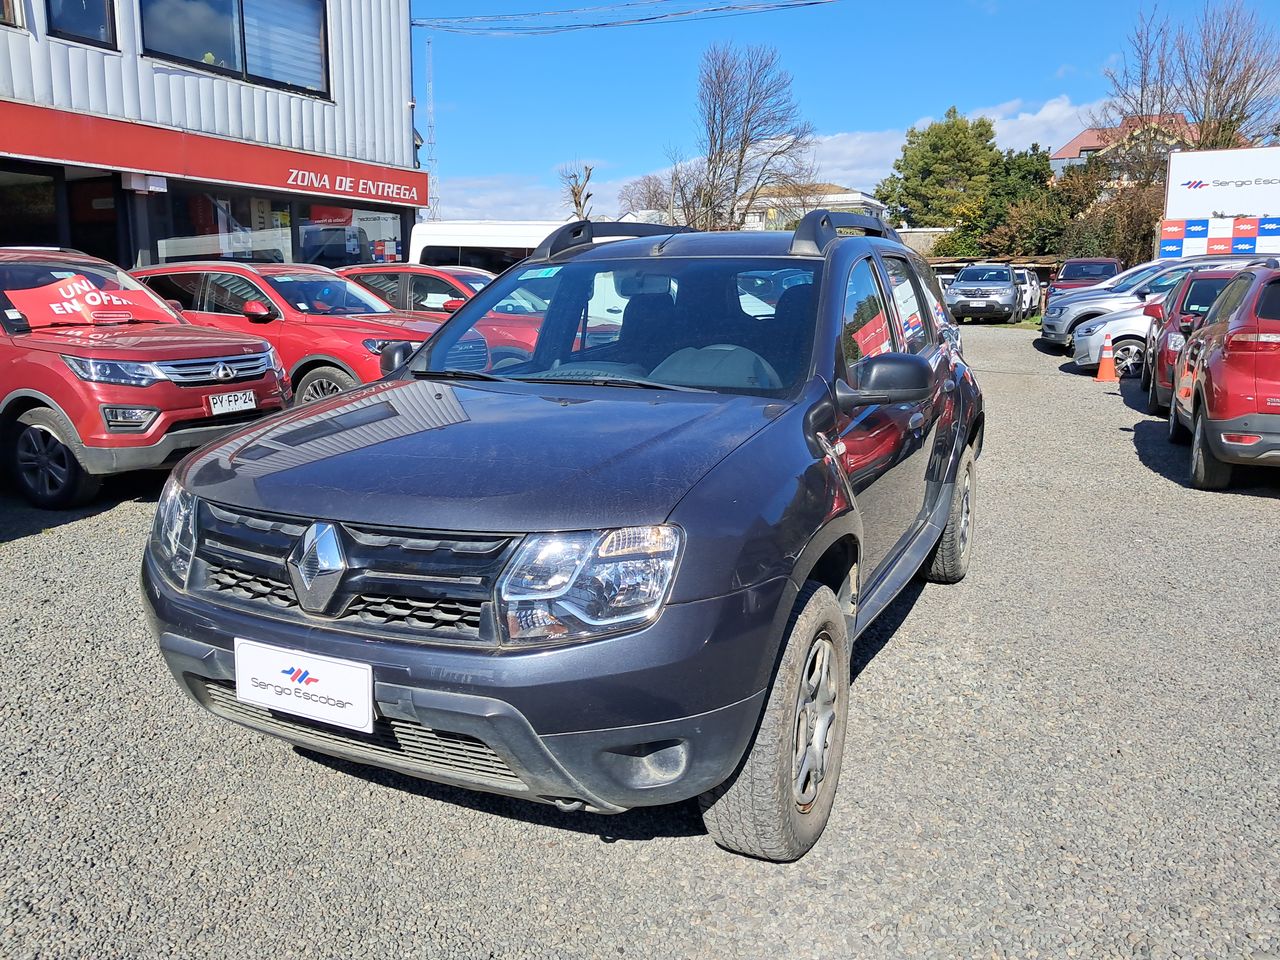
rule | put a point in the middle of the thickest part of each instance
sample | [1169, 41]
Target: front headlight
[173, 535]
[377, 346]
[1090, 330]
[572, 586]
[278, 365]
[124, 372]
[1053, 312]
[1175, 342]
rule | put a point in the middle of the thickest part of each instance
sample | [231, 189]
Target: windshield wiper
[458, 375]
[615, 382]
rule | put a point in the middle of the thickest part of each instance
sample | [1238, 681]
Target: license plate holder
[315, 687]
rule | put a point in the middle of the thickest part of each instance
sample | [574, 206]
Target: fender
[322, 359]
[27, 393]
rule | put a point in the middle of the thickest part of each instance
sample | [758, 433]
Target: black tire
[321, 383]
[1154, 406]
[769, 809]
[41, 458]
[1126, 370]
[1207, 471]
[1176, 431]
[1145, 381]
[949, 561]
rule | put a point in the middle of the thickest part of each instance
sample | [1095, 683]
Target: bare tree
[576, 196]
[1141, 120]
[751, 136]
[1228, 77]
[649, 192]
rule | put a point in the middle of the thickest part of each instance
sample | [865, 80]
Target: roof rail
[45, 249]
[586, 232]
[1271, 263]
[820, 227]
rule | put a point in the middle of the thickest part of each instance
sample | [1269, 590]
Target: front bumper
[1054, 330]
[1088, 350]
[653, 717]
[165, 452]
[1264, 452]
[981, 308]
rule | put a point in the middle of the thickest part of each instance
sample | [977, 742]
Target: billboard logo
[1194, 184]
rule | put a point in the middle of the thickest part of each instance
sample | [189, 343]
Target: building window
[334, 236]
[89, 21]
[274, 42]
[9, 13]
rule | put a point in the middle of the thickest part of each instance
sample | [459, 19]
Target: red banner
[76, 300]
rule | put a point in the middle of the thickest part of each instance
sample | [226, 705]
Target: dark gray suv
[625, 571]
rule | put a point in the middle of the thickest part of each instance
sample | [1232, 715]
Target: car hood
[140, 341]
[1089, 294]
[1128, 320]
[489, 457]
[397, 326]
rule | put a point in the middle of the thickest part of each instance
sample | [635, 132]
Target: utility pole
[433, 172]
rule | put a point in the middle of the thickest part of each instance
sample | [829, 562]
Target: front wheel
[41, 459]
[1128, 355]
[1154, 406]
[950, 560]
[322, 382]
[777, 804]
[1176, 431]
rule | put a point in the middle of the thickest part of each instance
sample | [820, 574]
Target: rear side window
[228, 293]
[866, 330]
[1269, 302]
[1201, 294]
[385, 285]
[179, 287]
[1230, 298]
[912, 323]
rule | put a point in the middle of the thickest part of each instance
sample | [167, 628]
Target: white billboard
[1223, 183]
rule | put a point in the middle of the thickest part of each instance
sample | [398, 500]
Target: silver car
[1068, 312]
[985, 290]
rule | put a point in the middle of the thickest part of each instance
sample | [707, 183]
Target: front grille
[400, 585]
[203, 372]
[401, 742]
[469, 354]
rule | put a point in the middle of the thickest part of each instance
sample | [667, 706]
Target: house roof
[1098, 138]
[814, 189]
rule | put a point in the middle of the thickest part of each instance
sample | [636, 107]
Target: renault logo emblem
[316, 566]
[223, 372]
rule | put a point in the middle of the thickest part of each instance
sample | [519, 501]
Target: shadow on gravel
[881, 631]
[1047, 348]
[19, 519]
[1151, 441]
[646, 823]
[1135, 398]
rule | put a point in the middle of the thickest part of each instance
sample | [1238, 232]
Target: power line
[510, 25]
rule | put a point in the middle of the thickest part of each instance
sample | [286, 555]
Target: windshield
[1202, 293]
[28, 274]
[983, 275]
[322, 293]
[476, 281]
[682, 323]
[1134, 279]
[1087, 271]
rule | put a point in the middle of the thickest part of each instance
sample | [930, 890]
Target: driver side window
[227, 293]
[430, 293]
[1228, 300]
[866, 330]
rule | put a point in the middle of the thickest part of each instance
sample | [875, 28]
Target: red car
[1226, 397]
[1171, 321]
[1083, 272]
[329, 331]
[98, 376]
[511, 328]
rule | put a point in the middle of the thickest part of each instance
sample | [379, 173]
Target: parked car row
[106, 372]
[1203, 333]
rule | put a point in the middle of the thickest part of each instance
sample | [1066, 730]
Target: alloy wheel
[1128, 359]
[319, 389]
[44, 462]
[815, 716]
[965, 514]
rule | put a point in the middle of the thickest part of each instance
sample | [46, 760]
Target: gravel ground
[1070, 754]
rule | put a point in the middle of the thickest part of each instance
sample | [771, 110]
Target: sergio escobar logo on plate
[300, 692]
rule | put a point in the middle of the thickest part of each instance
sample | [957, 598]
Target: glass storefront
[192, 222]
[30, 210]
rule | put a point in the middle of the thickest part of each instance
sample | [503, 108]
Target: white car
[1128, 329]
[1029, 284]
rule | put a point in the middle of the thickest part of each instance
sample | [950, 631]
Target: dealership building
[152, 131]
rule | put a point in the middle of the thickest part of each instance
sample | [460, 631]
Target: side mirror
[175, 305]
[394, 356]
[449, 306]
[1141, 294]
[886, 378]
[258, 312]
[1154, 310]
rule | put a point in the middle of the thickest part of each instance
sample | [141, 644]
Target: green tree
[1018, 216]
[945, 169]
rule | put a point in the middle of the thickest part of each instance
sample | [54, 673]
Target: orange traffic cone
[1107, 364]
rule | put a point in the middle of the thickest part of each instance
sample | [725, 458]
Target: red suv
[1226, 397]
[510, 328]
[1083, 272]
[98, 376]
[1171, 321]
[329, 331]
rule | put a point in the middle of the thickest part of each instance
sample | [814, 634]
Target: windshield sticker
[539, 273]
[78, 301]
[62, 274]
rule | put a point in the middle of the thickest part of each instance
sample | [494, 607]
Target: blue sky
[511, 111]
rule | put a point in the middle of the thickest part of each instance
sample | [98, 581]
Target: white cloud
[858, 159]
[498, 198]
[1051, 124]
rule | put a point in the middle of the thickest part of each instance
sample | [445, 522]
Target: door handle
[916, 421]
